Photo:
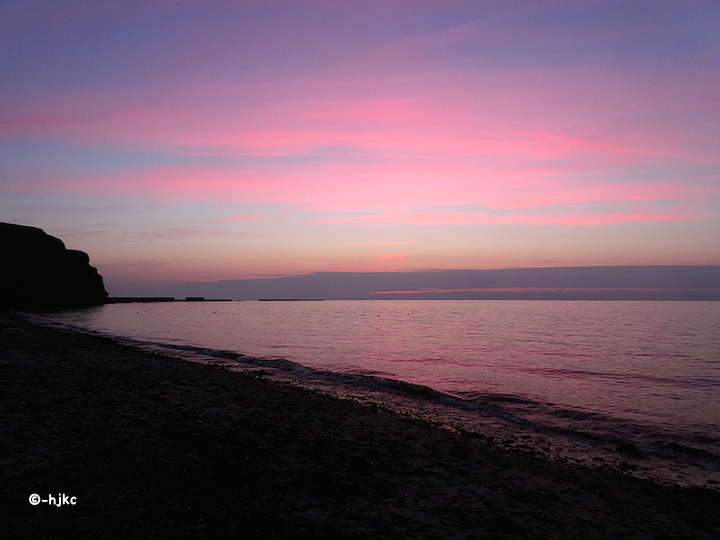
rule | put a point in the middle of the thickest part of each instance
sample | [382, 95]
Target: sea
[627, 386]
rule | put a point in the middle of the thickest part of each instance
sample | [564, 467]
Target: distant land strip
[151, 299]
[561, 283]
[291, 299]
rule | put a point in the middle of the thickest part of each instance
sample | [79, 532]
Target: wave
[683, 382]
[515, 410]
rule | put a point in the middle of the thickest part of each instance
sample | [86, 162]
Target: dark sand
[154, 447]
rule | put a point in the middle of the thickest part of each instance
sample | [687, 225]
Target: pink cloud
[400, 193]
[546, 114]
[480, 218]
[390, 257]
[401, 141]
[241, 217]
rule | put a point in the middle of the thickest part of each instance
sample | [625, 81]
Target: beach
[151, 446]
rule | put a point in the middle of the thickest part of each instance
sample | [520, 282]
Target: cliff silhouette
[37, 272]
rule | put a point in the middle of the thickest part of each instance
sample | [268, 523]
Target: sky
[202, 140]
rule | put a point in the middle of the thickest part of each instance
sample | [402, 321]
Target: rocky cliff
[37, 272]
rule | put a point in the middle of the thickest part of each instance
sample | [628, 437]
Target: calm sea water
[572, 379]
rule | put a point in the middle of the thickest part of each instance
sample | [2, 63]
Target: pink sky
[219, 140]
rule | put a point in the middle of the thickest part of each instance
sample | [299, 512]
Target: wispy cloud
[354, 124]
[394, 257]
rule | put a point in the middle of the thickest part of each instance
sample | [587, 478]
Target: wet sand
[155, 447]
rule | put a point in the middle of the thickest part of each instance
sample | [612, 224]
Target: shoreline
[555, 432]
[156, 447]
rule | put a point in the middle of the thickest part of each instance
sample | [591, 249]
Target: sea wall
[37, 272]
